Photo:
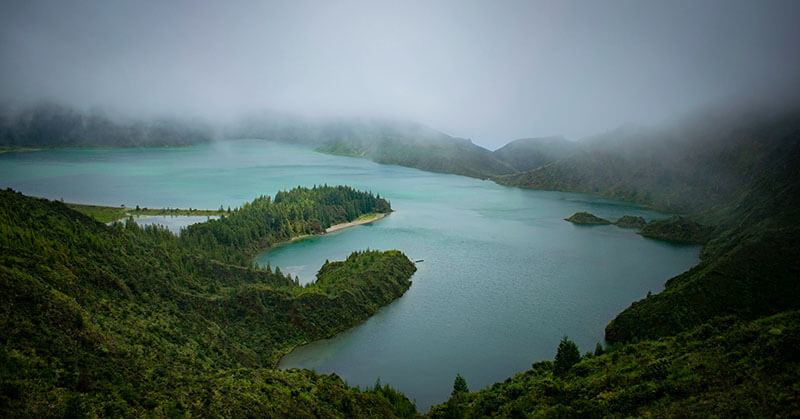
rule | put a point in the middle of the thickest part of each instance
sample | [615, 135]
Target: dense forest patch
[122, 320]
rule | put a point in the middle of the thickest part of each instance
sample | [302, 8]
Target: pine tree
[567, 355]
[459, 386]
[598, 350]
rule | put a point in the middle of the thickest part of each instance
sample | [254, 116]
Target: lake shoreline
[331, 229]
[357, 222]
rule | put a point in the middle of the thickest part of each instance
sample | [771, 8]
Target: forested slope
[264, 221]
[750, 268]
[121, 320]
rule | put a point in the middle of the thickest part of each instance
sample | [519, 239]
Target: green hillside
[702, 163]
[725, 368]
[121, 321]
[721, 339]
[414, 146]
[749, 268]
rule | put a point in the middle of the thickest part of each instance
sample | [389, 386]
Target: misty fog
[488, 71]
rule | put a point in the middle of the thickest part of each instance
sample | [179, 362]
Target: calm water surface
[504, 276]
[173, 223]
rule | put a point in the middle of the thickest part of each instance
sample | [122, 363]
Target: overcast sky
[489, 70]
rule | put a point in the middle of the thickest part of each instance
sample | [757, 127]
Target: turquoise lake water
[503, 277]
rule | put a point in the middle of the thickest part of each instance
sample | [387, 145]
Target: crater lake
[504, 277]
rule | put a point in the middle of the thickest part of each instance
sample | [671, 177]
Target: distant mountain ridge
[53, 125]
[701, 164]
[417, 146]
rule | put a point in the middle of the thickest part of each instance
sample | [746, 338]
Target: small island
[585, 218]
[677, 229]
[630, 221]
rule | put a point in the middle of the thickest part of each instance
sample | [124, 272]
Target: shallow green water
[504, 276]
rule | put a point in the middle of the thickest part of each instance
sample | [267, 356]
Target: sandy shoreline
[342, 226]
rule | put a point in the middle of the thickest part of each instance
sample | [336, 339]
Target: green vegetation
[459, 386]
[677, 229]
[725, 368]
[700, 164]
[125, 321]
[368, 217]
[413, 146]
[122, 320]
[674, 229]
[749, 267]
[382, 141]
[567, 355]
[721, 339]
[264, 222]
[107, 214]
[587, 219]
[629, 221]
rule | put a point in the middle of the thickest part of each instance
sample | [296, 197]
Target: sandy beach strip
[342, 226]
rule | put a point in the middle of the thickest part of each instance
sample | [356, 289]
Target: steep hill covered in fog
[702, 163]
[531, 153]
[415, 146]
[53, 125]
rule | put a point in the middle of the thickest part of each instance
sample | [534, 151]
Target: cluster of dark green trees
[265, 221]
[126, 321]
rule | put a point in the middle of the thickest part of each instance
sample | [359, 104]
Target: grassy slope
[121, 321]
